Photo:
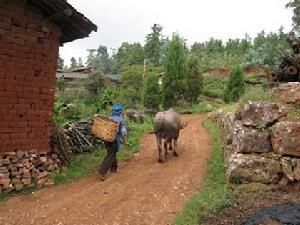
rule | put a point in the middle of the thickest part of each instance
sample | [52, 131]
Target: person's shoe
[102, 177]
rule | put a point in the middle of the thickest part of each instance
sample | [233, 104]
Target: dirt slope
[143, 192]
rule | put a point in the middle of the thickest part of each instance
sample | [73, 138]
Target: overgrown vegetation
[255, 93]
[215, 194]
[214, 86]
[152, 92]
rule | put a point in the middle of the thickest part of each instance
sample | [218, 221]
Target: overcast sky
[195, 20]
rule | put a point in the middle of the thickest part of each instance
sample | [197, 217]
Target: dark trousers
[110, 161]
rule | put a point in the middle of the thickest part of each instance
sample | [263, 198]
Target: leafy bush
[235, 87]
[214, 87]
[255, 93]
[152, 93]
[60, 83]
[94, 83]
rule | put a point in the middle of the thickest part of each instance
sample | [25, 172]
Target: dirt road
[143, 192]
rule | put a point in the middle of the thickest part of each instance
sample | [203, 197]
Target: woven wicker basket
[104, 128]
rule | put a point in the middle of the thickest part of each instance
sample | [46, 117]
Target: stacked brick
[29, 46]
[26, 169]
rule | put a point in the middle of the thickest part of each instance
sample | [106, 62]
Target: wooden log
[291, 70]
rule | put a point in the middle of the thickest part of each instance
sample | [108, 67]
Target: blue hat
[117, 108]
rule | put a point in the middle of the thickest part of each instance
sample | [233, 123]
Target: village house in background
[73, 76]
[31, 32]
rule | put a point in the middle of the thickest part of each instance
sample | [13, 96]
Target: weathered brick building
[30, 35]
[31, 32]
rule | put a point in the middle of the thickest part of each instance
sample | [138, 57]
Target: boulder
[286, 138]
[249, 140]
[261, 114]
[245, 168]
[287, 168]
[288, 93]
[296, 165]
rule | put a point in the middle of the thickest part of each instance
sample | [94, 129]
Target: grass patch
[293, 113]
[214, 86]
[82, 165]
[215, 194]
[255, 93]
[25, 191]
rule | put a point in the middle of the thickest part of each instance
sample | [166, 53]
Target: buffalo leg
[159, 142]
[170, 145]
[166, 148]
[175, 147]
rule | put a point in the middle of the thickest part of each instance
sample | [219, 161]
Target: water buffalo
[167, 125]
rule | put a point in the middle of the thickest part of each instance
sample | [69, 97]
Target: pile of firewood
[80, 138]
[289, 68]
[73, 138]
[59, 144]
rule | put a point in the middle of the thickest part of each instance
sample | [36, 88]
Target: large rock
[244, 168]
[296, 164]
[286, 138]
[288, 93]
[249, 140]
[261, 114]
[287, 168]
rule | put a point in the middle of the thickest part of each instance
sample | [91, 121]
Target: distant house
[82, 73]
[74, 74]
[30, 35]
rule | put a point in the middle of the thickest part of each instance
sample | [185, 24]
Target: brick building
[31, 32]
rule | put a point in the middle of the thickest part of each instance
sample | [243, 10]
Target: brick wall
[29, 46]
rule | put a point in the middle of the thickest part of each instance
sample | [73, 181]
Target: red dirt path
[143, 192]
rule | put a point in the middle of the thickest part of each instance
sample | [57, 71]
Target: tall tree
[60, 63]
[128, 54]
[153, 45]
[174, 79]
[194, 79]
[94, 60]
[80, 64]
[295, 6]
[235, 87]
[73, 63]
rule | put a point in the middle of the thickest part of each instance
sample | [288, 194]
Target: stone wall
[26, 169]
[258, 146]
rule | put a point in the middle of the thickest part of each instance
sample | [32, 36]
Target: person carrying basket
[110, 161]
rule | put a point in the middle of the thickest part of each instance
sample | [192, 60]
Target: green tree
[153, 45]
[132, 81]
[80, 64]
[174, 79]
[94, 83]
[60, 63]
[73, 63]
[194, 80]
[295, 6]
[152, 97]
[235, 86]
[128, 54]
